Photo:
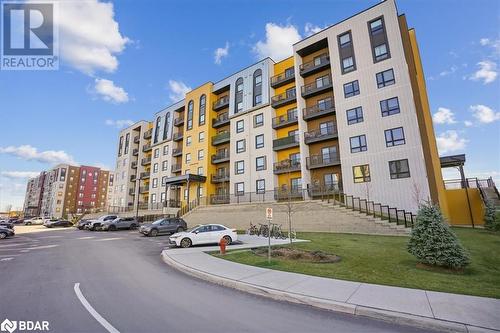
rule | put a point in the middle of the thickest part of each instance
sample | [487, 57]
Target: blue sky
[129, 59]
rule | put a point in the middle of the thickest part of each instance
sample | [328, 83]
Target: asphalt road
[123, 278]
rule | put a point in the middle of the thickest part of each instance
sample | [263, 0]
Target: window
[290, 93]
[239, 167]
[258, 120]
[399, 169]
[345, 39]
[153, 198]
[351, 89]
[296, 184]
[120, 146]
[259, 141]
[201, 136]
[156, 153]
[200, 192]
[361, 173]
[260, 186]
[238, 98]
[358, 143]
[166, 125]
[188, 141]
[164, 181]
[155, 183]
[354, 116]
[201, 154]
[188, 158]
[239, 189]
[186, 194]
[157, 129]
[203, 107]
[240, 146]
[164, 166]
[380, 52]
[324, 104]
[389, 106]
[257, 87]
[189, 124]
[260, 163]
[394, 137]
[162, 196]
[155, 167]
[330, 180]
[165, 150]
[347, 64]
[240, 126]
[200, 171]
[376, 26]
[127, 141]
[385, 78]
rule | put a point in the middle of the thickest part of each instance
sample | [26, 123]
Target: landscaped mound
[297, 254]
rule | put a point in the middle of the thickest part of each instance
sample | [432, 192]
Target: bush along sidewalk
[491, 222]
[433, 243]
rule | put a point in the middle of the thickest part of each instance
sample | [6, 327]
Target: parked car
[82, 224]
[35, 220]
[6, 232]
[58, 223]
[96, 224]
[16, 221]
[120, 223]
[204, 234]
[169, 225]
[6, 224]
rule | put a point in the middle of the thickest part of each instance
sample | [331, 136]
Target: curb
[357, 310]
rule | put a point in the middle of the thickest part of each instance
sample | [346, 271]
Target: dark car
[6, 232]
[16, 221]
[82, 223]
[169, 225]
[58, 223]
[6, 224]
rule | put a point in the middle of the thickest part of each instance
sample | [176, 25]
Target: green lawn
[384, 260]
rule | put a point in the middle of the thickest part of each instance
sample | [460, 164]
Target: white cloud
[178, 90]
[29, 153]
[278, 43]
[495, 44]
[311, 29]
[449, 142]
[468, 123]
[484, 114]
[220, 53]
[109, 92]
[487, 72]
[89, 36]
[444, 116]
[19, 174]
[120, 123]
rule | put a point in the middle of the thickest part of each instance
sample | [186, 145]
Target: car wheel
[227, 239]
[133, 227]
[186, 242]
[153, 233]
[3, 235]
[28, 223]
[180, 229]
[112, 228]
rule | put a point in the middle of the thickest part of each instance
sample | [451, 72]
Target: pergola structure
[185, 180]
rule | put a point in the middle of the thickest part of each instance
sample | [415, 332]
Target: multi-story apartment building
[348, 111]
[34, 195]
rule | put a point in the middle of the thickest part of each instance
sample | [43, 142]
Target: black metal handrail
[286, 166]
[318, 109]
[320, 133]
[221, 102]
[282, 77]
[285, 119]
[322, 60]
[324, 83]
[322, 160]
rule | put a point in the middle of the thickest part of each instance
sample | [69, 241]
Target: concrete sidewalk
[427, 309]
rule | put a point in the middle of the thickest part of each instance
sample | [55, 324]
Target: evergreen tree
[490, 217]
[433, 242]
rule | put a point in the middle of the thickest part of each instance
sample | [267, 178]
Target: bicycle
[263, 230]
[277, 233]
[253, 230]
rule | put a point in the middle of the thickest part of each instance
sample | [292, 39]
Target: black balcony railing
[146, 147]
[322, 160]
[286, 166]
[145, 174]
[220, 177]
[137, 139]
[282, 79]
[317, 87]
[135, 152]
[143, 189]
[319, 110]
[221, 103]
[176, 152]
[285, 120]
[131, 191]
[320, 188]
[148, 134]
[178, 136]
[323, 133]
[286, 142]
[132, 178]
[285, 193]
[179, 120]
[221, 120]
[146, 161]
[285, 98]
[220, 157]
[221, 138]
[316, 65]
[134, 165]
[217, 199]
[176, 167]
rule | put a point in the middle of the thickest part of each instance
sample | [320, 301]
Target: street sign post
[269, 217]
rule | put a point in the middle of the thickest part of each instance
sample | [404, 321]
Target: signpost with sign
[269, 217]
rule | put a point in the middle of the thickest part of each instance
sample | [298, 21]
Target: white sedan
[204, 234]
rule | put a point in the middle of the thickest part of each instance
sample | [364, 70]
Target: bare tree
[416, 193]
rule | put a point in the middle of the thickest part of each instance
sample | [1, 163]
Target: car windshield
[158, 221]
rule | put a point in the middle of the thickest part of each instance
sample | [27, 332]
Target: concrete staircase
[315, 215]
[491, 194]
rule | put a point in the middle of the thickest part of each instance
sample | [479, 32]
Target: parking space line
[107, 239]
[92, 311]
[86, 237]
[7, 259]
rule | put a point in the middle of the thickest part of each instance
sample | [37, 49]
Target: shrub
[490, 217]
[432, 242]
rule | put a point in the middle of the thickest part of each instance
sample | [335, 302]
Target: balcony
[145, 175]
[178, 136]
[320, 85]
[286, 142]
[135, 152]
[131, 191]
[176, 167]
[218, 199]
[321, 134]
[143, 189]
[132, 178]
[146, 161]
[146, 147]
[148, 134]
[321, 189]
[286, 166]
[319, 110]
[285, 120]
[294, 193]
[282, 79]
[283, 99]
[316, 65]
[137, 139]
[176, 152]
[221, 103]
[179, 121]
[220, 177]
[133, 165]
[220, 157]
[220, 121]
[220, 138]
[322, 160]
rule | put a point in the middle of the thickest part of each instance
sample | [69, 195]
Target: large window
[389, 106]
[394, 137]
[166, 126]
[240, 126]
[203, 108]
[351, 89]
[164, 166]
[257, 87]
[189, 124]
[381, 52]
[376, 26]
[201, 154]
[260, 163]
[239, 189]
[188, 158]
[354, 115]
[120, 146]
[378, 40]
[385, 78]
[155, 183]
[345, 39]
[361, 173]
[258, 120]
[240, 146]
[239, 167]
[347, 64]
[358, 143]
[157, 129]
[238, 100]
[155, 168]
[260, 186]
[259, 141]
[399, 169]
[127, 143]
